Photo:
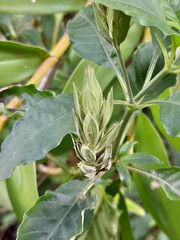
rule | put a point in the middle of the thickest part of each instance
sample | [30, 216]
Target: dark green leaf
[58, 215]
[164, 211]
[100, 226]
[167, 178]
[125, 226]
[18, 62]
[30, 93]
[86, 39]
[124, 175]
[126, 147]
[41, 130]
[40, 6]
[169, 113]
[140, 158]
[155, 111]
[151, 13]
[138, 70]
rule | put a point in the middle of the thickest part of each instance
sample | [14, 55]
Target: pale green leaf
[42, 129]
[58, 215]
[40, 6]
[18, 62]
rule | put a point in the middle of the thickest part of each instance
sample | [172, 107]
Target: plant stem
[152, 66]
[124, 71]
[126, 122]
[58, 20]
[161, 44]
[151, 84]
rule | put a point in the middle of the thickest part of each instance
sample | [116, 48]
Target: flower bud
[92, 114]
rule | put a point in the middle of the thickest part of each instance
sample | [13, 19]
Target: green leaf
[164, 211]
[167, 178]
[169, 113]
[40, 6]
[170, 13]
[124, 175]
[86, 39]
[42, 129]
[100, 227]
[22, 189]
[125, 226]
[18, 62]
[155, 112]
[138, 71]
[58, 215]
[151, 13]
[30, 93]
[140, 158]
[104, 76]
[126, 147]
[133, 207]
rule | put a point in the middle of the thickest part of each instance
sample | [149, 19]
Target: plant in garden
[111, 117]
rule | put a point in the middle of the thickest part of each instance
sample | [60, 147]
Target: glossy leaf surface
[18, 62]
[59, 214]
[125, 226]
[40, 6]
[165, 212]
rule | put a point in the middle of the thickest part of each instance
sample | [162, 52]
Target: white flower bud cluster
[92, 114]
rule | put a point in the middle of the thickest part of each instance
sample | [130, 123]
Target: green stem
[161, 44]
[163, 73]
[126, 122]
[152, 66]
[123, 103]
[124, 71]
